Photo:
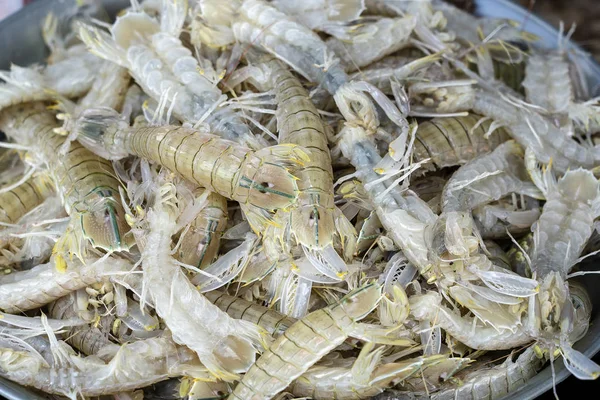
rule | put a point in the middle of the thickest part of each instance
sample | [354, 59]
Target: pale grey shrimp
[370, 42]
[26, 290]
[226, 346]
[163, 67]
[366, 377]
[135, 365]
[305, 343]
[318, 15]
[69, 78]
[534, 131]
[495, 382]
[488, 178]
[90, 339]
[467, 330]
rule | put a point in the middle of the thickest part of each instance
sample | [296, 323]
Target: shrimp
[306, 342]
[86, 183]
[467, 330]
[26, 290]
[370, 42]
[536, 132]
[163, 67]
[363, 380]
[260, 180]
[314, 219]
[487, 178]
[506, 215]
[135, 365]
[108, 90]
[256, 22]
[270, 320]
[559, 237]
[71, 77]
[497, 381]
[319, 15]
[89, 340]
[28, 195]
[225, 346]
[455, 140]
[200, 244]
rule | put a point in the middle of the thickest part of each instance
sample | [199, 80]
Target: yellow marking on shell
[96, 321]
[185, 386]
[379, 170]
[341, 275]
[60, 264]
[150, 328]
[222, 74]
[130, 220]
[115, 326]
[432, 279]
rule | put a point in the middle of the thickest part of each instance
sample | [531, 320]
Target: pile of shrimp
[326, 199]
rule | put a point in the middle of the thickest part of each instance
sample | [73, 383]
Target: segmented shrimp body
[256, 179]
[299, 123]
[455, 140]
[164, 67]
[18, 201]
[87, 183]
[487, 178]
[304, 343]
[135, 365]
[270, 320]
[200, 245]
[41, 285]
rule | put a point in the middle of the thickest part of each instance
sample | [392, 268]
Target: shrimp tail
[101, 44]
[91, 127]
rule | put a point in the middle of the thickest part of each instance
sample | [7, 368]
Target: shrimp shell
[256, 179]
[86, 183]
[26, 290]
[454, 141]
[200, 244]
[304, 343]
[270, 320]
[29, 195]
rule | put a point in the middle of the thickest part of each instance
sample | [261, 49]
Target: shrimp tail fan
[92, 126]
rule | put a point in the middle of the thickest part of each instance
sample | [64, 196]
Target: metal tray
[21, 44]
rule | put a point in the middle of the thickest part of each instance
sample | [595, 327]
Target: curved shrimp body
[404, 216]
[299, 123]
[87, 183]
[90, 339]
[264, 26]
[547, 82]
[19, 201]
[455, 140]
[256, 179]
[466, 330]
[163, 67]
[341, 383]
[135, 365]
[539, 134]
[34, 288]
[496, 382]
[304, 343]
[270, 320]
[371, 42]
[487, 178]
[200, 244]
[566, 223]
[71, 77]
